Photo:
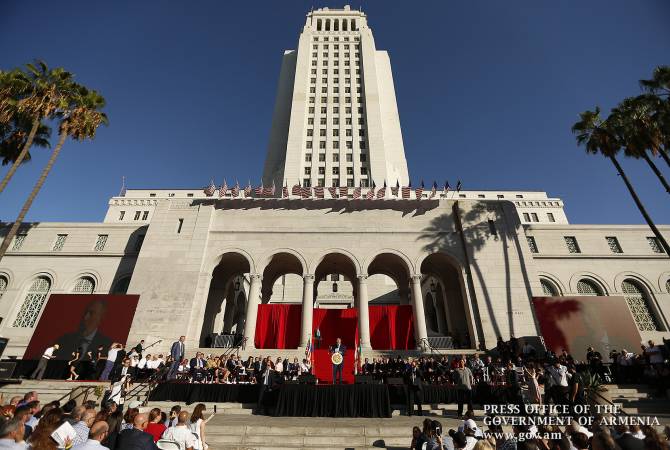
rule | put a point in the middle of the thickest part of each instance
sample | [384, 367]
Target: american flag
[406, 190]
[284, 191]
[371, 193]
[247, 190]
[459, 185]
[382, 192]
[308, 350]
[306, 192]
[333, 192]
[223, 190]
[433, 190]
[446, 187]
[259, 191]
[344, 191]
[234, 192]
[394, 190]
[270, 190]
[419, 191]
[209, 190]
[318, 191]
[295, 190]
[357, 193]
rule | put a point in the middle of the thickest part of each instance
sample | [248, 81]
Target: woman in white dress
[197, 426]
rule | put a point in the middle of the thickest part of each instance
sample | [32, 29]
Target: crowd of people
[468, 436]
[27, 424]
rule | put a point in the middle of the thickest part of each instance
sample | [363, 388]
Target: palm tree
[658, 88]
[39, 94]
[599, 137]
[79, 121]
[633, 122]
[13, 137]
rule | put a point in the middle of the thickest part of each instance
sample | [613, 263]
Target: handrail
[150, 382]
[86, 390]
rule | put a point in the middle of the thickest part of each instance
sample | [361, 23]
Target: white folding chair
[165, 444]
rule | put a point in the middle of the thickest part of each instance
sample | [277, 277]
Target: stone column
[252, 311]
[363, 312]
[307, 309]
[420, 333]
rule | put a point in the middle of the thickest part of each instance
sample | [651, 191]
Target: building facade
[468, 262]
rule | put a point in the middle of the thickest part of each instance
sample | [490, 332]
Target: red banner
[278, 326]
[392, 327]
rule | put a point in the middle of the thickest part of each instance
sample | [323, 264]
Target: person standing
[533, 385]
[414, 380]
[337, 368]
[177, 351]
[109, 362]
[463, 379]
[48, 354]
[559, 382]
[266, 378]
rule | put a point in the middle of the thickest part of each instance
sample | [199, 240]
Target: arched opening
[587, 286]
[318, 25]
[353, 24]
[33, 303]
[336, 25]
[549, 288]
[327, 24]
[640, 306]
[431, 314]
[229, 278]
[387, 270]
[282, 279]
[344, 24]
[84, 285]
[4, 282]
[442, 278]
[335, 282]
[121, 286]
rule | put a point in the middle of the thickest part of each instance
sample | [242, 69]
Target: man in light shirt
[111, 359]
[181, 433]
[98, 433]
[11, 434]
[48, 355]
[559, 381]
[86, 418]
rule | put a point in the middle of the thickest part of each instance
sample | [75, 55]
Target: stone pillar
[307, 309]
[363, 312]
[420, 333]
[252, 311]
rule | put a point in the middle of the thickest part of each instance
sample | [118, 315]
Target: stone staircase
[639, 400]
[48, 390]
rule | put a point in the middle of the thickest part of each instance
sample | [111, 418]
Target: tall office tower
[335, 120]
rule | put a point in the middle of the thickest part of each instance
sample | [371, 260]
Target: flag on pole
[371, 193]
[419, 191]
[122, 192]
[308, 350]
[406, 190]
[446, 187]
[344, 191]
[209, 190]
[235, 191]
[382, 192]
[306, 192]
[259, 190]
[318, 191]
[357, 192]
[269, 191]
[459, 185]
[223, 190]
[247, 190]
[295, 190]
[333, 192]
[433, 190]
[284, 191]
[394, 190]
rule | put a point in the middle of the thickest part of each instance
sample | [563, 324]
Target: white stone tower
[335, 120]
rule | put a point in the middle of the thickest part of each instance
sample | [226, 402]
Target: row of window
[612, 242]
[143, 214]
[335, 55]
[637, 297]
[336, 157]
[533, 217]
[336, 38]
[38, 292]
[336, 171]
[335, 182]
[335, 144]
[336, 132]
[59, 243]
[335, 46]
[336, 71]
[336, 110]
[336, 121]
[336, 80]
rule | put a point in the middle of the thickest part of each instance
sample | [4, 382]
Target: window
[336, 157]
[311, 110]
[667, 286]
[306, 182]
[84, 285]
[121, 214]
[336, 110]
[571, 243]
[308, 144]
[361, 132]
[308, 157]
[482, 196]
[335, 182]
[363, 157]
[322, 121]
[322, 170]
[348, 132]
[140, 239]
[532, 244]
[534, 217]
[321, 182]
[322, 132]
[548, 288]
[336, 120]
[361, 144]
[308, 170]
[365, 183]
[348, 120]
[551, 218]
[350, 181]
[60, 242]
[152, 194]
[350, 170]
[655, 244]
[350, 157]
[121, 286]
[613, 244]
[310, 121]
[519, 196]
[322, 157]
[364, 170]
[190, 194]
[19, 240]
[350, 144]
[336, 132]
[3, 285]
[336, 144]
[588, 287]
[100, 242]
[312, 90]
[145, 215]
[526, 217]
[638, 302]
[33, 302]
[137, 215]
[324, 110]
[336, 170]
[322, 144]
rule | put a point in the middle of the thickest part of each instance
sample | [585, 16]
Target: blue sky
[487, 92]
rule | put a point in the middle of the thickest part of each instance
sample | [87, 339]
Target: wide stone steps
[48, 390]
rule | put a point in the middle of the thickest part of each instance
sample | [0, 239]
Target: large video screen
[576, 323]
[82, 321]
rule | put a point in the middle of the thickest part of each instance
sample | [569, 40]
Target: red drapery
[392, 327]
[278, 326]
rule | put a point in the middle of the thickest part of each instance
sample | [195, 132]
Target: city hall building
[456, 267]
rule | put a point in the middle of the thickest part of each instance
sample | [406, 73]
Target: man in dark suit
[135, 438]
[414, 380]
[267, 379]
[122, 371]
[197, 366]
[340, 348]
[626, 440]
[87, 337]
[177, 351]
